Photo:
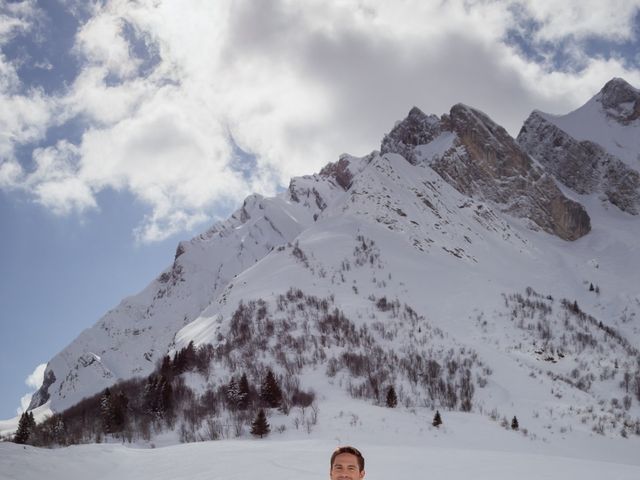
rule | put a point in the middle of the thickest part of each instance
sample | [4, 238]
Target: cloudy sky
[126, 126]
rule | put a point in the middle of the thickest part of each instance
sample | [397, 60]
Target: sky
[127, 126]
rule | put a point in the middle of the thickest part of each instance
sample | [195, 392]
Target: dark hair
[352, 451]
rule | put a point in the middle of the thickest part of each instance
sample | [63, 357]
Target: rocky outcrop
[417, 129]
[620, 101]
[345, 169]
[583, 166]
[42, 395]
[485, 161]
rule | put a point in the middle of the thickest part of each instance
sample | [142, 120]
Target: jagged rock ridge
[620, 100]
[583, 166]
[591, 150]
[481, 159]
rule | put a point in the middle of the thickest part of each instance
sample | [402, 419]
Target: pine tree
[233, 394]
[59, 431]
[466, 390]
[270, 392]
[24, 428]
[437, 420]
[32, 421]
[392, 398]
[158, 397]
[260, 426]
[106, 411]
[245, 392]
[119, 412]
[165, 407]
[150, 395]
[166, 369]
[113, 411]
[514, 423]
[189, 356]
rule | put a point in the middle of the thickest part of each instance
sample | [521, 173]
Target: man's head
[347, 463]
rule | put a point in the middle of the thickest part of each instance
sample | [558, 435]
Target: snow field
[272, 459]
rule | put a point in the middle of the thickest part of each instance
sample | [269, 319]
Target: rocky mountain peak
[417, 129]
[489, 141]
[479, 158]
[620, 100]
[339, 171]
[594, 149]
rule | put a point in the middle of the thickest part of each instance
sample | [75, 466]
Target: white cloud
[24, 116]
[23, 119]
[17, 17]
[612, 20]
[103, 104]
[55, 181]
[25, 400]
[294, 83]
[34, 381]
[112, 55]
[10, 173]
[37, 377]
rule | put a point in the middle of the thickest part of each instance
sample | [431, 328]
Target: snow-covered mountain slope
[594, 149]
[129, 340]
[611, 119]
[502, 303]
[441, 265]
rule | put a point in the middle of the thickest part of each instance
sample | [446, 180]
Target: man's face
[345, 467]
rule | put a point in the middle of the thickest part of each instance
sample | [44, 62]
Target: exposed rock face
[345, 169]
[417, 129]
[484, 161]
[340, 172]
[620, 100]
[41, 396]
[583, 166]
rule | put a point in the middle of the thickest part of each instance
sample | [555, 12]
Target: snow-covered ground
[396, 443]
[282, 460]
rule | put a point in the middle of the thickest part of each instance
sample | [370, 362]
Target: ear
[362, 474]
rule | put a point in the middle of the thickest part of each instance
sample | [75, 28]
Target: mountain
[468, 270]
[609, 119]
[479, 158]
[130, 339]
[594, 149]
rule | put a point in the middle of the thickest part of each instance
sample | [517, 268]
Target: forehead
[346, 459]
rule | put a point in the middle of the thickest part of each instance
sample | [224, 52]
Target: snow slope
[129, 340]
[457, 273]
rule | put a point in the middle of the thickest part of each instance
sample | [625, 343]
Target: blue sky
[128, 126]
